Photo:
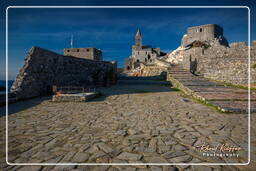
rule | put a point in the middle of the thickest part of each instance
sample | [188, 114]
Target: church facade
[142, 54]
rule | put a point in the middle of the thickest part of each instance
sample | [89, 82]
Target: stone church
[142, 54]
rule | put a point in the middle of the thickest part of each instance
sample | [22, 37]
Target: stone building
[204, 33]
[205, 51]
[142, 54]
[44, 69]
[87, 53]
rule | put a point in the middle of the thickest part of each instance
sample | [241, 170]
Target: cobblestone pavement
[131, 123]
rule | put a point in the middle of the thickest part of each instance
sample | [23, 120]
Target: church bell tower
[138, 40]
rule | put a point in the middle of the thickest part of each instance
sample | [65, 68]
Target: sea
[2, 84]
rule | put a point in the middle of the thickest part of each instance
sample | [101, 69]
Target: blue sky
[111, 30]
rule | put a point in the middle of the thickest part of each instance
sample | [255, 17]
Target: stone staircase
[224, 98]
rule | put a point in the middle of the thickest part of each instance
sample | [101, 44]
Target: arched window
[148, 56]
[200, 29]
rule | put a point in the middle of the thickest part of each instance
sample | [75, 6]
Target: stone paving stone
[160, 117]
[80, 157]
[68, 156]
[129, 156]
[100, 168]
[180, 159]
[157, 160]
[202, 168]
[171, 154]
[105, 148]
[155, 168]
[64, 167]
[30, 168]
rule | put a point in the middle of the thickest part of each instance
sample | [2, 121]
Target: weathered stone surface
[82, 127]
[231, 100]
[31, 168]
[171, 154]
[180, 159]
[80, 157]
[64, 168]
[105, 148]
[129, 156]
[43, 69]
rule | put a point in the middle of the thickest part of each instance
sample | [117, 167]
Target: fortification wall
[43, 69]
[87, 53]
[206, 32]
[228, 64]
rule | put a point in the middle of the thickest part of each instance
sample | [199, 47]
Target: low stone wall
[43, 69]
[227, 64]
[79, 97]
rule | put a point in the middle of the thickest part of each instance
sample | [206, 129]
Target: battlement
[87, 53]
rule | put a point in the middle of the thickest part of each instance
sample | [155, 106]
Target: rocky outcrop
[43, 69]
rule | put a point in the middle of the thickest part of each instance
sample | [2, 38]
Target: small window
[138, 60]
[77, 50]
[200, 29]
[67, 50]
[87, 50]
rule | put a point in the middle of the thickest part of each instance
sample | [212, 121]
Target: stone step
[143, 82]
[234, 106]
[225, 98]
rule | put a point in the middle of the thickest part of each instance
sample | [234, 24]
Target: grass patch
[231, 85]
[254, 66]
[202, 102]
[237, 86]
[175, 89]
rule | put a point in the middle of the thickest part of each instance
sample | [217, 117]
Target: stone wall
[43, 69]
[206, 32]
[227, 64]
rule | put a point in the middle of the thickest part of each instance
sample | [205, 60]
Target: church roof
[138, 33]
